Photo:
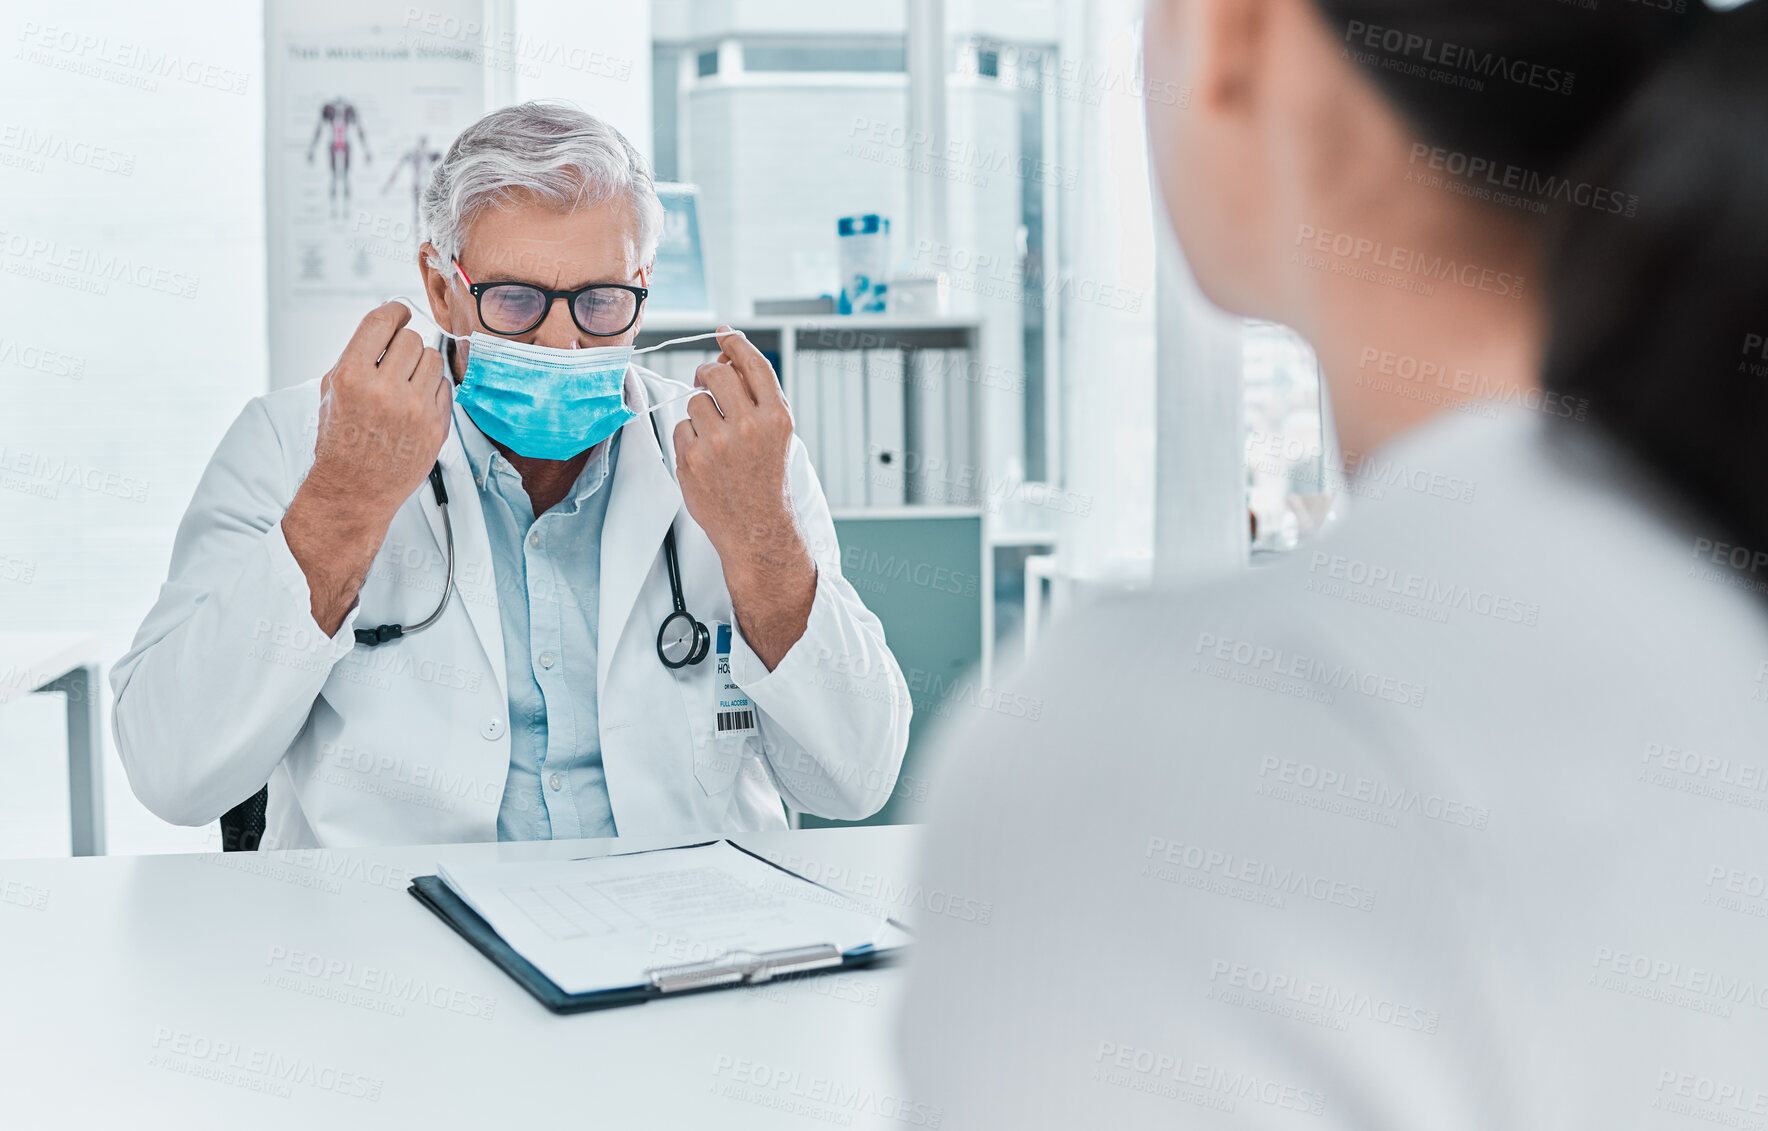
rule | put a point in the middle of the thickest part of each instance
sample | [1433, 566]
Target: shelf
[1024, 538]
[825, 331]
[849, 514]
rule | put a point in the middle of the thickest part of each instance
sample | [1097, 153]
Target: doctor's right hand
[383, 416]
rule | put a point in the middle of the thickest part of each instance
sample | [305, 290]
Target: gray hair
[547, 149]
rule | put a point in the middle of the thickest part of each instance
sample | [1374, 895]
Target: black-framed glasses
[603, 310]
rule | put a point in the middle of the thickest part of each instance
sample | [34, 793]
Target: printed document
[604, 923]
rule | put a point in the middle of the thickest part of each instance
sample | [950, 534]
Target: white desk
[123, 978]
[66, 662]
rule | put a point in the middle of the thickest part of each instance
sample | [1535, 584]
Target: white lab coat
[231, 684]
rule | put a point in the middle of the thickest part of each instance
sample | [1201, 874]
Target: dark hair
[1523, 83]
[1654, 289]
[1660, 319]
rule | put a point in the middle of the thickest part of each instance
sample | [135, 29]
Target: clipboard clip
[742, 967]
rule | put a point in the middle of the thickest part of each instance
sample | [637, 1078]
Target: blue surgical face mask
[547, 403]
[541, 402]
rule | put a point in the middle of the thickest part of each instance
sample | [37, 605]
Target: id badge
[736, 715]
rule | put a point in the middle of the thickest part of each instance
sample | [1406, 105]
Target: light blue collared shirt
[549, 572]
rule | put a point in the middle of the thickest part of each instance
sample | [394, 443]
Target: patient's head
[1374, 119]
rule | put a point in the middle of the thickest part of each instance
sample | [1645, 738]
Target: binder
[665, 981]
[825, 368]
[851, 374]
[884, 427]
[924, 427]
[807, 410]
[962, 475]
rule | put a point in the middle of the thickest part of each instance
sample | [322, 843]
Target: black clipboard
[451, 909]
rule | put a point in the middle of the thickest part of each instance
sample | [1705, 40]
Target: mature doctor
[291, 644]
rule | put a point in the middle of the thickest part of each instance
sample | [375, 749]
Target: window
[1289, 490]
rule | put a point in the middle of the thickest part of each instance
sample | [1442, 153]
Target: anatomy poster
[363, 118]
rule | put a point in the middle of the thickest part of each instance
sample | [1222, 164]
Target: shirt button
[493, 729]
[554, 782]
[546, 659]
[534, 539]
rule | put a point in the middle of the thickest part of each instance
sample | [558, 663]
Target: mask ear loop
[695, 392]
[693, 338]
[419, 311]
[685, 396]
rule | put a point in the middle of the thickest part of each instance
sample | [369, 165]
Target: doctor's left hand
[730, 459]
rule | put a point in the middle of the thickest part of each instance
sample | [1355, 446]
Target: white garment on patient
[1457, 819]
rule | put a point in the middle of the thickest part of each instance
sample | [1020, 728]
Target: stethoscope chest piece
[682, 640]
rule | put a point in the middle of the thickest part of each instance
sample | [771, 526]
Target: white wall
[777, 160]
[678, 20]
[131, 242]
[311, 320]
[597, 55]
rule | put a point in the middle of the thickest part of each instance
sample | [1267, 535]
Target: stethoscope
[681, 639]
